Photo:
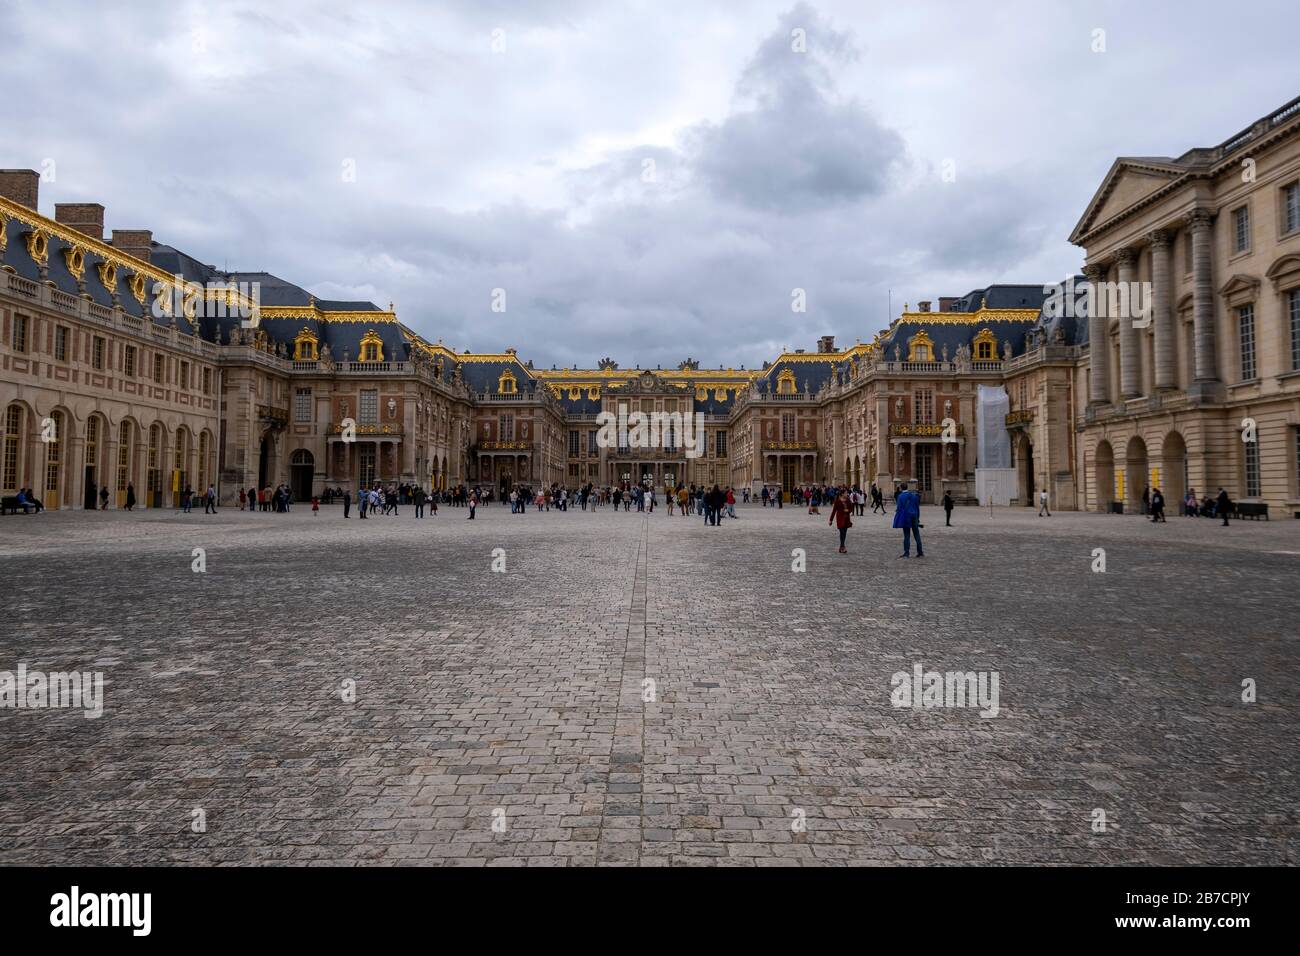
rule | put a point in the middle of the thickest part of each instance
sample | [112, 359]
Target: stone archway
[1173, 479]
[302, 469]
[1025, 470]
[1136, 474]
[1103, 475]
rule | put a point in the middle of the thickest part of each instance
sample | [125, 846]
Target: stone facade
[1171, 400]
[101, 388]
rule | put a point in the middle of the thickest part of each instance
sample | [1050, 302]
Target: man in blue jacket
[907, 515]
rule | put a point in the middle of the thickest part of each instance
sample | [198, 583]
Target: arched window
[53, 457]
[123, 455]
[154, 477]
[203, 460]
[92, 440]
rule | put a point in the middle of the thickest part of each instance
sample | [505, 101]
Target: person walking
[130, 496]
[907, 516]
[347, 503]
[1222, 505]
[1042, 504]
[243, 499]
[1146, 499]
[315, 506]
[418, 497]
[103, 497]
[947, 509]
[841, 517]
[473, 503]
[1157, 506]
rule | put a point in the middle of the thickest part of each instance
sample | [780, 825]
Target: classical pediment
[1127, 184]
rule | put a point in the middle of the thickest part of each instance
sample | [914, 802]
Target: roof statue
[689, 365]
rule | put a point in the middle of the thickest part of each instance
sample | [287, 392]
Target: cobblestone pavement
[518, 697]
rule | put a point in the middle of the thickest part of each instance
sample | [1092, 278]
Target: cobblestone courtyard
[516, 698]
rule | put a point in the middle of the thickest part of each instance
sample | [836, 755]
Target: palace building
[126, 361]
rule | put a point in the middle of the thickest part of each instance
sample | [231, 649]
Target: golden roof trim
[54, 230]
[968, 318]
[311, 312]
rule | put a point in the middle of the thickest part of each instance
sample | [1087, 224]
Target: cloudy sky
[645, 180]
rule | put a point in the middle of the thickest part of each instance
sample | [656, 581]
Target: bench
[1251, 509]
[9, 505]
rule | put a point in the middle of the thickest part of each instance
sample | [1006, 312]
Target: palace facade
[114, 372]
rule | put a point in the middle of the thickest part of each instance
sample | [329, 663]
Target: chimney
[945, 302]
[85, 217]
[924, 305]
[133, 242]
[826, 343]
[20, 186]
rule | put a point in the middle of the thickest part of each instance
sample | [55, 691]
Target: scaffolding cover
[991, 423]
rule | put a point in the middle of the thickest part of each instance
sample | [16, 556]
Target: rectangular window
[97, 353]
[20, 333]
[207, 381]
[506, 427]
[1252, 468]
[787, 426]
[128, 361]
[720, 443]
[368, 410]
[302, 405]
[924, 403]
[1246, 337]
[13, 428]
[574, 443]
[1296, 435]
[1291, 208]
[1187, 252]
[185, 375]
[592, 447]
[61, 343]
[1241, 229]
[159, 366]
[1293, 310]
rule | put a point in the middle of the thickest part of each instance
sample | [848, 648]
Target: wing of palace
[126, 362]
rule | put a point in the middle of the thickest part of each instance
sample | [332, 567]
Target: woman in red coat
[841, 517]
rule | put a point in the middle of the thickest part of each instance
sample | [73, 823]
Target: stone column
[1166, 371]
[1098, 351]
[1130, 368]
[1206, 365]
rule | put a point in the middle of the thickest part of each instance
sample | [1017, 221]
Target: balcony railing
[505, 446]
[919, 430]
[1022, 416]
[789, 446]
[382, 429]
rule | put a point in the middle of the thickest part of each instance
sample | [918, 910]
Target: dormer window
[372, 347]
[507, 384]
[986, 346]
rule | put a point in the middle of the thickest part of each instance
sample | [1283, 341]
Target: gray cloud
[525, 169]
